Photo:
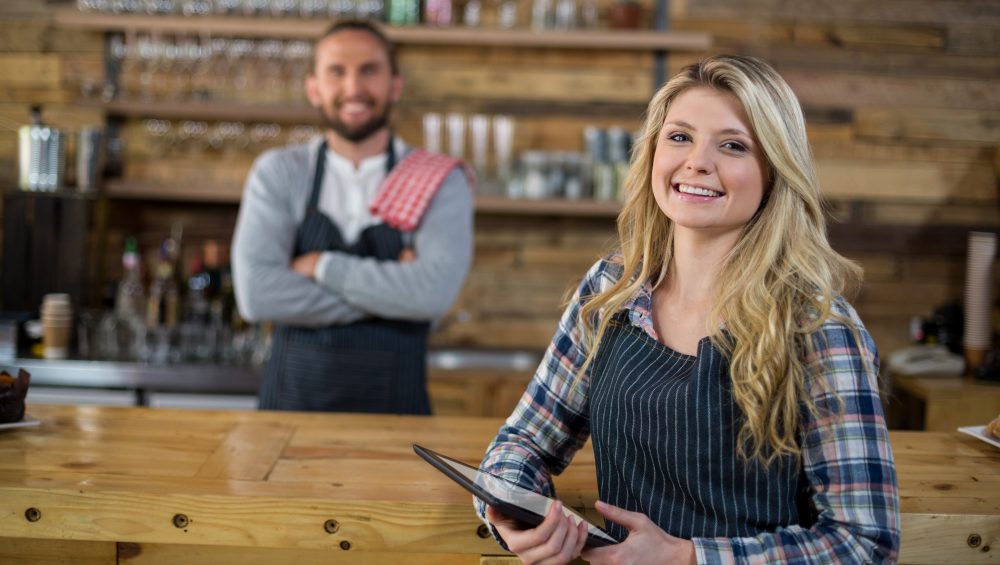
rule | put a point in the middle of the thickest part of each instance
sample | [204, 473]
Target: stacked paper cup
[57, 325]
[978, 279]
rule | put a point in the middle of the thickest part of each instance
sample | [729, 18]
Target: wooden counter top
[139, 485]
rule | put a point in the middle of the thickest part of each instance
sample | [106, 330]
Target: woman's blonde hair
[778, 283]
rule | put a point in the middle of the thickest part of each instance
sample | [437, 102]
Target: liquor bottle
[163, 305]
[129, 306]
[131, 295]
[211, 253]
[198, 340]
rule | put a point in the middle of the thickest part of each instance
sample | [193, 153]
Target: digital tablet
[507, 497]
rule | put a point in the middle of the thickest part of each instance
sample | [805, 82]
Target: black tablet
[507, 497]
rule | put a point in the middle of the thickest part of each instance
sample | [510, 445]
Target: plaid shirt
[847, 460]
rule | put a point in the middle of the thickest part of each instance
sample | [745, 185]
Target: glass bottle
[541, 15]
[194, 342]
[131, 295]
[507, 14]
[472, 13]
[130, 302]
[437, 12]
[163, 303]
[404, 12]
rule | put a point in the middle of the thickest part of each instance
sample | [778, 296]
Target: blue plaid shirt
[846, 459]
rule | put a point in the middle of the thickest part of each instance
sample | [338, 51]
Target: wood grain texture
[947, 539]
[980, 127]
[57, 552]
[162, 554]
[951, 402]
[360, 471]
[248, 453]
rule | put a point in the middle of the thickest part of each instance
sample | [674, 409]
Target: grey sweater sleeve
[266, 287]
[423, 289]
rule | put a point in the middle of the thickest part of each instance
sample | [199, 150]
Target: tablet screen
[507, 491]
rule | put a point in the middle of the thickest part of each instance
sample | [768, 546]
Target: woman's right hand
[555, 541]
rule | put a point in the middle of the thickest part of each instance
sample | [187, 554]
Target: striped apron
[664, 428]
[373, 365]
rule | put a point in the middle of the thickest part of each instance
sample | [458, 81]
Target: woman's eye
[678, 137]
[735, 146]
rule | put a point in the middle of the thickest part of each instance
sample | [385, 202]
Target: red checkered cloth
[408, 190]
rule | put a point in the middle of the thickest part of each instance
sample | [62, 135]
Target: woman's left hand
[646, 542]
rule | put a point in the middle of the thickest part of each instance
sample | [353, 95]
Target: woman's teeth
[696, 190]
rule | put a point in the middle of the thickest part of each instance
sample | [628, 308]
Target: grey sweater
[349, 288]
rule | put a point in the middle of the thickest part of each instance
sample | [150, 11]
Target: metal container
[41, 156]
[54, 171]
[89, 158]
[24, 164]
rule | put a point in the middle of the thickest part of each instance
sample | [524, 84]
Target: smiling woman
[730, 391]
[708, 173]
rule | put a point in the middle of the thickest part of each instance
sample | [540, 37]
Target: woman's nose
[699, 158]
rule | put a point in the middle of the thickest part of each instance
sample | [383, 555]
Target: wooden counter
[943, 404]
[149, 486]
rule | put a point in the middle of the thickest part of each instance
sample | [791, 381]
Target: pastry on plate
[993, 428]
[12, 393]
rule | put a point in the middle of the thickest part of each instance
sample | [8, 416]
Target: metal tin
[89, 158]
[41, 158]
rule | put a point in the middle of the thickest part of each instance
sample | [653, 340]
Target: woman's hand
[555, 541]
[646, 542]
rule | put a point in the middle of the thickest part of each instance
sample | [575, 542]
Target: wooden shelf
[210, 111]
[297, 28]
[301, 114]
[547, 207]
[125, 190]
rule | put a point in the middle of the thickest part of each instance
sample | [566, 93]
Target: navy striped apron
[664, 428]
[373, 365]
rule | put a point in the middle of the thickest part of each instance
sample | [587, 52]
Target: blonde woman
[730, 391]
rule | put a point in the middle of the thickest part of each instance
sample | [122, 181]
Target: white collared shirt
[347, 192]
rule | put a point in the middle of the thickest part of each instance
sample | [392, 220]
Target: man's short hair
[361, 25]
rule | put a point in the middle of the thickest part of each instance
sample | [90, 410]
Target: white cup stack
[57, 325]
[978, 282]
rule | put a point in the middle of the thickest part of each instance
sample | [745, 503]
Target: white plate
[25, 422]
[979, 432]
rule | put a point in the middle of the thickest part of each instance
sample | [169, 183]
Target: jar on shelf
[565, 15]
[472, 13]
[541, 14]
[404, 12]
[437, 12]
[507, 14]
[536, 182]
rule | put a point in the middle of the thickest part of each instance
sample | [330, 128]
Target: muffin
[12, 393]
[993, 428]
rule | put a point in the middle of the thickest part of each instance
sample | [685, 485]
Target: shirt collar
[367, 165]
[640, 306]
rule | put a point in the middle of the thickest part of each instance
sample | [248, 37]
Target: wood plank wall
[902, 99]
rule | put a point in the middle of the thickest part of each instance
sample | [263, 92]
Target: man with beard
[353, 243]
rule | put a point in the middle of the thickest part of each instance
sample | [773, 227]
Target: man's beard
[355, 134]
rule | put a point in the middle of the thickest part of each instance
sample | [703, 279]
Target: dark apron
[665, 428]
[373, 365]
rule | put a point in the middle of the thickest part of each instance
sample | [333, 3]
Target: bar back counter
[102, 485]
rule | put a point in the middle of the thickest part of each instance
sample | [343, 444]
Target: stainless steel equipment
[42, 155]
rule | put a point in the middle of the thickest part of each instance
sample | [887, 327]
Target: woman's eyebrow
[731, 131]
[727, 131]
